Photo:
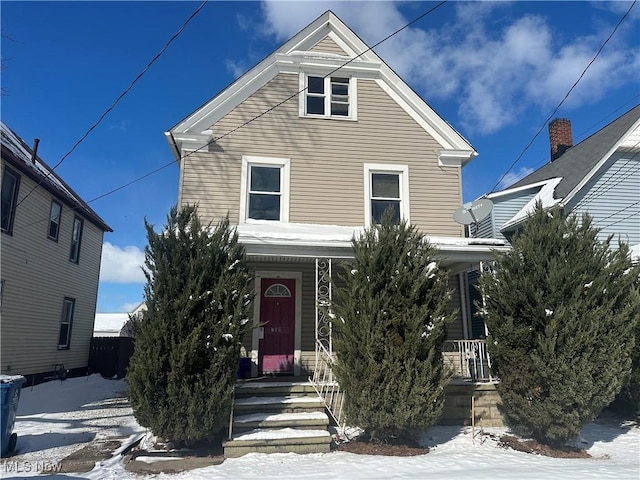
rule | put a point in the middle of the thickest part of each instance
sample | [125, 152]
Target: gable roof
[580, 162]
[294, 55]
[16, 152]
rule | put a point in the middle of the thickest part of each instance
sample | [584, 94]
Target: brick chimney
[560, 137]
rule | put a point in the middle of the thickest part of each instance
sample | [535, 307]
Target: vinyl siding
[506, 207]
[328, 45]
[485, 228]
[612, 198]
[38, 275]
[327, 159]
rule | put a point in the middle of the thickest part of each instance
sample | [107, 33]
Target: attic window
[330, 97]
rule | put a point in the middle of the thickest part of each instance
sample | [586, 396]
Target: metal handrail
[469, 359]
[326, 386]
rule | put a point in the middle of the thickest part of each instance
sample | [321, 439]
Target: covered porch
[293, 266]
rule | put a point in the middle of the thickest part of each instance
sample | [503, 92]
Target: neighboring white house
[110, 324]
[599, 176]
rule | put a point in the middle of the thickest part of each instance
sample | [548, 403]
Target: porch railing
[326, 385]
[469, 360]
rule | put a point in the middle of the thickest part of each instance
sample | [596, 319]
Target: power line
[620, 211]
[117, 100]
[608, 183]
[566, 96]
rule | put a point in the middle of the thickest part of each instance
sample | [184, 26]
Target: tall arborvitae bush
[183, 369]
[561, 308]
[389, 324]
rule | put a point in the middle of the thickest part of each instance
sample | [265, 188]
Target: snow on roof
[306, 234]
[544, 196]
[22, 152]
[110, 323]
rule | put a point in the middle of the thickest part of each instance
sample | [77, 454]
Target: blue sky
[494, 70]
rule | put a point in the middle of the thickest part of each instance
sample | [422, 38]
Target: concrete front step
[265, 420]
[257, 388]
[285, 440]
[282, 404]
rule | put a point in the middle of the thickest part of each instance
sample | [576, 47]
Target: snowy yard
[57, 419]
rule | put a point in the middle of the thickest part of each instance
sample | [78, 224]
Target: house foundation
[467, 403]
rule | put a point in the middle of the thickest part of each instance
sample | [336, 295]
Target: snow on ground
[55, 418]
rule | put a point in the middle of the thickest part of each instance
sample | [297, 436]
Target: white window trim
[353, 96]
[285, 177]
[403, 171]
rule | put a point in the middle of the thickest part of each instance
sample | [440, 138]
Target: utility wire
[620, 211]
[566, 96]
[117, 100]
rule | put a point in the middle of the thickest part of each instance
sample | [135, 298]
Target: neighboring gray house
[51, 243]
[599, 176]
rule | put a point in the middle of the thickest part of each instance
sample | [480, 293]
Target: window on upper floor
[76, 240]
[10, 188]
[386, 187]
[265, 189]
[328, 97]
[55, 215]
[64, 339]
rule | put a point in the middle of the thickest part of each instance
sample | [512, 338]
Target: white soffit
[326, 25]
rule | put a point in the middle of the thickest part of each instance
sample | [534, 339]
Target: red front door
[278, 316]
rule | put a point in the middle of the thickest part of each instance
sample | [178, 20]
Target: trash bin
[244, 367]
[10, 386]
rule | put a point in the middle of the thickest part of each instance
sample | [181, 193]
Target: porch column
[323, 300]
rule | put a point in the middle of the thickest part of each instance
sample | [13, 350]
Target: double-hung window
[10, 187]
[328, 97]
[68, 306]
[386, 188]
[55, 214]
[265, 189]
[76, 240]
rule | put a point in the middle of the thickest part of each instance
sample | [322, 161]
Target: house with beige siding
[51, 243]
[303, 152]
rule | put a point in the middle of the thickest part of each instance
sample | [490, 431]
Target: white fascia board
[600, 164]
[510, 191]
[455, 158]
[230, 98]
[311, 62]
[173, 146]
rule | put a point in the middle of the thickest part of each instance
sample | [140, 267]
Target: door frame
[297, 343]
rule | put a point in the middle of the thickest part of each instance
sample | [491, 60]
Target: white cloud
[235, 68]
[513, 177]
[493, 66]
[121, 265]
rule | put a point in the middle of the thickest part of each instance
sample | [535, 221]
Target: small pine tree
[559, 309]
[389, 317]
[183, 369]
